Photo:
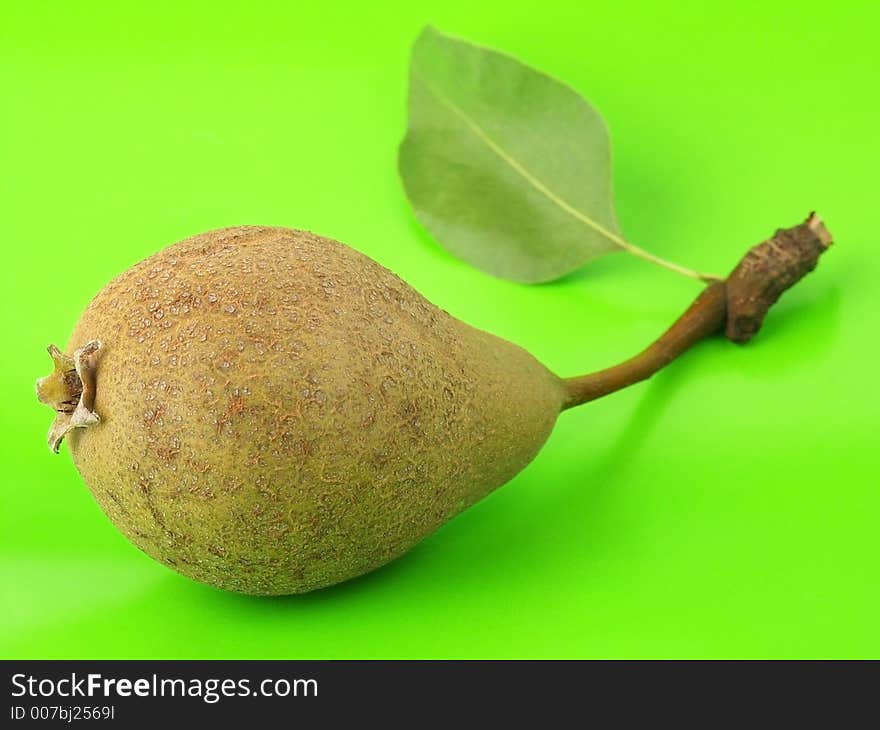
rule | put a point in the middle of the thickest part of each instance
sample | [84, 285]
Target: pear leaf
[508, 168]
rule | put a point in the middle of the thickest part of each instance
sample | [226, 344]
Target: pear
[270, 412]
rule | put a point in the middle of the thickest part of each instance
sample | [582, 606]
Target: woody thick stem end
[736, 305]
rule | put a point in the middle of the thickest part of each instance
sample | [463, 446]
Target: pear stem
[736, 305]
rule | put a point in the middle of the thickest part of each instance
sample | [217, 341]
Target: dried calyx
[70, 391]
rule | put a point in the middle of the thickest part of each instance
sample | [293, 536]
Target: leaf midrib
[515, 165]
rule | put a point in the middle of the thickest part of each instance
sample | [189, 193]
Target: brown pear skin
[274, 412]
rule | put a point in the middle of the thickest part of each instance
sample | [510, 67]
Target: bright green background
[729, 507]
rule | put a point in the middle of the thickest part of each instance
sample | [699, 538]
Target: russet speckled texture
[280, 413]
